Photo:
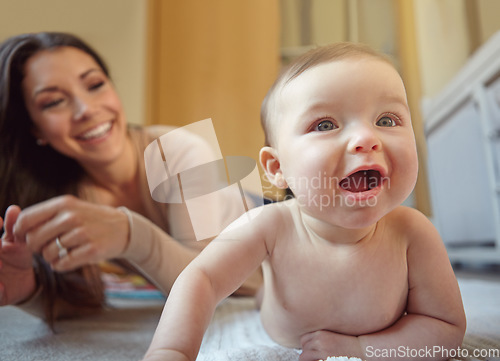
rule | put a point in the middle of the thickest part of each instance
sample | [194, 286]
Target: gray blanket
[236, 333]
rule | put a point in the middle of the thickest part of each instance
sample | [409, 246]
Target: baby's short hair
[312, 58]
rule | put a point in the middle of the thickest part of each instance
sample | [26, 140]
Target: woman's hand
[17, 278]
[319, 345]
[90, 233]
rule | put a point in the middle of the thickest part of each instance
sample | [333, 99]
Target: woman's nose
[364, 140]
[83, 108]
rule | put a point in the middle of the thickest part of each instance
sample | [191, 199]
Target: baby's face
[345, 141]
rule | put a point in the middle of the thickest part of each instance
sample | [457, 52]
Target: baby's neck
[323, 231]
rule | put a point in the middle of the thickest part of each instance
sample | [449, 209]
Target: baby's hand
[321, 344]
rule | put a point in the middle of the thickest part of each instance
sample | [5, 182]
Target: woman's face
[74, 106]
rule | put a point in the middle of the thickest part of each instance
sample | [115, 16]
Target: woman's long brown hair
[30, 173]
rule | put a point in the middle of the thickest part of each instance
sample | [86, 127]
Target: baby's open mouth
[361, 181]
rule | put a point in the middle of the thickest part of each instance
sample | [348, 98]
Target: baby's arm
[435, 313]
[217, 272]
[435, 316]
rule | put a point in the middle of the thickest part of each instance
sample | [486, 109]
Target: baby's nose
[364, 140]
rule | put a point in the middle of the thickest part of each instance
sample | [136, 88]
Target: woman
[75, 171]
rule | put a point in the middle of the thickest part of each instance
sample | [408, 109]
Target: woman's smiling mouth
[96, 132]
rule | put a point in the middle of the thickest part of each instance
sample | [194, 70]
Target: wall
[442, 41]
[446, 36]
[306, 22]
[115, 28]
[489, 23]
[218, 64]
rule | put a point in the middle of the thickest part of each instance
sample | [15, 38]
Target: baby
[347, 269]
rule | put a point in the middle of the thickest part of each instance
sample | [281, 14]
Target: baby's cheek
[413, 165]
[409, 172]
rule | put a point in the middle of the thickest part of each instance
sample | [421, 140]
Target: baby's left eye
[325, 125]
[386, 122]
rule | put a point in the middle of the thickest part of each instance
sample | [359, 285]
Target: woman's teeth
[96, 132]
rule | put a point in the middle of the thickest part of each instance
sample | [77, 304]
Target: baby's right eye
[325, 125]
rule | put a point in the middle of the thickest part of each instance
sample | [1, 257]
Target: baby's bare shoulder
[408, 220]
[276, 220]
[415, 227]
[270, 218]
[280, 212]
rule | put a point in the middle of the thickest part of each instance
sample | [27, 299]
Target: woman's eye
[325, 125]
[51, 104]
[95, 86]
[386, 122]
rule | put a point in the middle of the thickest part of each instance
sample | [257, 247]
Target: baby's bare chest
[313, 289]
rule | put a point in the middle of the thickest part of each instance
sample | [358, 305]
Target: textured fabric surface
[235, 332]
[482, 308]
[116, 334]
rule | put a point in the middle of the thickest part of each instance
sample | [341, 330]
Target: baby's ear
[271, 165]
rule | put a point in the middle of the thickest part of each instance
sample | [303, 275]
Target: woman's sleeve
[155, 253]
[163, 256]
